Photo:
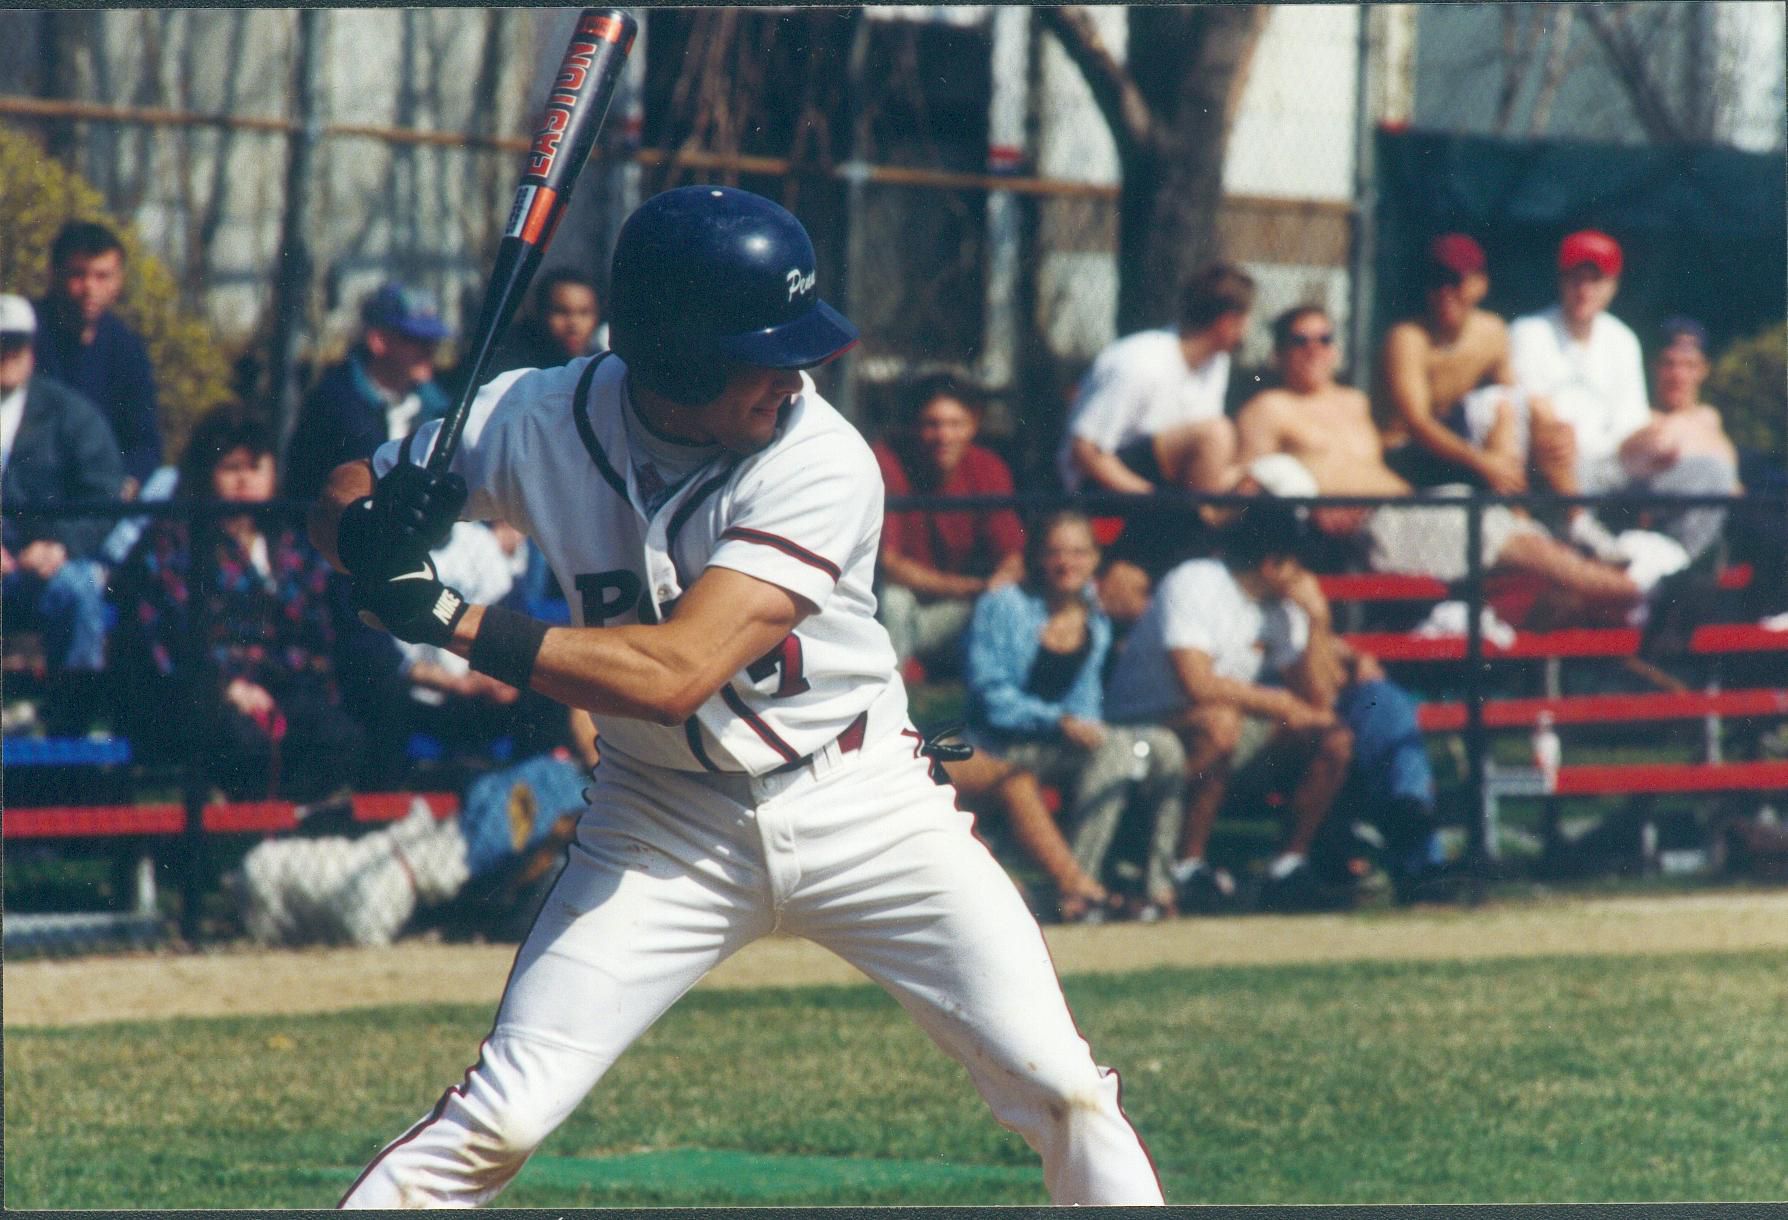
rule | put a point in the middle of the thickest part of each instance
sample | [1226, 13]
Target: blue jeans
[69, 608]
[1391, 773]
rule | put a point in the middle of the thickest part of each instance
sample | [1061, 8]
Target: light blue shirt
[1004, 638]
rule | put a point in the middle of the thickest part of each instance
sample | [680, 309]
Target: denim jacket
[1002, 644]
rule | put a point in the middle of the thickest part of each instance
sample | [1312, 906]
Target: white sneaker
[1449, 619]
[1649, 557]
[1594, 537]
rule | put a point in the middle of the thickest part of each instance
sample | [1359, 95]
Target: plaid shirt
[271, 630]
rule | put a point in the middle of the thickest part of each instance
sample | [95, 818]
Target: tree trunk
[1191, 63]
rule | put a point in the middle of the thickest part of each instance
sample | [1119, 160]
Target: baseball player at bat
[717, 522]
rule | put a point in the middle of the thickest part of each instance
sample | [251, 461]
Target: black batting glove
[412, 604]
[409, 514]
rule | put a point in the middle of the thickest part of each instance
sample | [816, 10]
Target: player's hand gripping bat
[575, 109]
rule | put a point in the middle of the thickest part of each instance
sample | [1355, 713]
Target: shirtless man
[1328, 429]
[1681, 426]
[1684, 446]
[1449, 388]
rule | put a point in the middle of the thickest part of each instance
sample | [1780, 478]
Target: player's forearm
[660, 673]
[348, 483]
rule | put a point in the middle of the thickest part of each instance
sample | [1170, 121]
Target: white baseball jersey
[1141, 386]
[546, 451]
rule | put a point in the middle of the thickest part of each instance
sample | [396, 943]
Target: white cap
[16, 315]
[1280, 474]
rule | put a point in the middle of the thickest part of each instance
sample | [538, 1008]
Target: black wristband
[506, 645]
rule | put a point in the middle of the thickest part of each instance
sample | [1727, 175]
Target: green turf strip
[751, 1177]
[747, 1177]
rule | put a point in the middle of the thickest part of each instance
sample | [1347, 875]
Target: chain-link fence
[155, 803]
[955, 169]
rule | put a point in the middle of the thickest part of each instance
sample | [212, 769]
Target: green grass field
[1589, 1079]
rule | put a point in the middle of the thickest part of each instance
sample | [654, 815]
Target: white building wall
[1293, 134]
[1752, 55]
[1077, 288]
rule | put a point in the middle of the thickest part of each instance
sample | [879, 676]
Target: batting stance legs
[674, 871]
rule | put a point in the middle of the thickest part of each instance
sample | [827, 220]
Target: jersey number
[786, 657]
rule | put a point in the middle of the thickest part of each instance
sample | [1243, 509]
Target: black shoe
[1439, 883]
[1209, 891]
[1302, 890]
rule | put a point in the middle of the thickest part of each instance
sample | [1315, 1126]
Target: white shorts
[1430, 540]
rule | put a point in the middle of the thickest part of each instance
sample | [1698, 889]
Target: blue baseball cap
[407, 311]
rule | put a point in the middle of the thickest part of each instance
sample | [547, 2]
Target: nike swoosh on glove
[412, 604]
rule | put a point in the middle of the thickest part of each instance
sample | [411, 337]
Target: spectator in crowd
[1150, 414]
[83, 344]
[935, 563]
[563, 325]
[1036, 655]
[55, 448]
[242, 631]
[382, 391]
[1446, 381]
[1587, 365]
[1585, 361]
[1237, 655]
[1684, 445]
[1323, 442]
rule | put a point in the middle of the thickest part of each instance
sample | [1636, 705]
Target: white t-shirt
[1200, 606]
[400, 412]
[1598, 387]
[547, 451]
[1141, 386]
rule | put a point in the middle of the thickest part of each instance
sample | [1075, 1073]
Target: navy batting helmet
[706, 276]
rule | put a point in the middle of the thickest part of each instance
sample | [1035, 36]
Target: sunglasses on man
[1325, 339]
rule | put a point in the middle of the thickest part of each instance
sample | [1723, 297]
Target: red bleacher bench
[1606, 709]
[169, 818]
[1406, 587]
[1637, 779]
[1710, 640]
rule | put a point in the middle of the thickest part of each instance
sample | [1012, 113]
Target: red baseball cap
[1589, 246]
[1457, 253]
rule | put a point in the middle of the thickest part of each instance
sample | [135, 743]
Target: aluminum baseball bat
[575, 109]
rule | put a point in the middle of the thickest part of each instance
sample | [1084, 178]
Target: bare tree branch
[1127, 112]
[1520, 31]
[1626, 54]
[1558, 65]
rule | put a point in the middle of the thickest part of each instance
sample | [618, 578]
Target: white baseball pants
[673, 872]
